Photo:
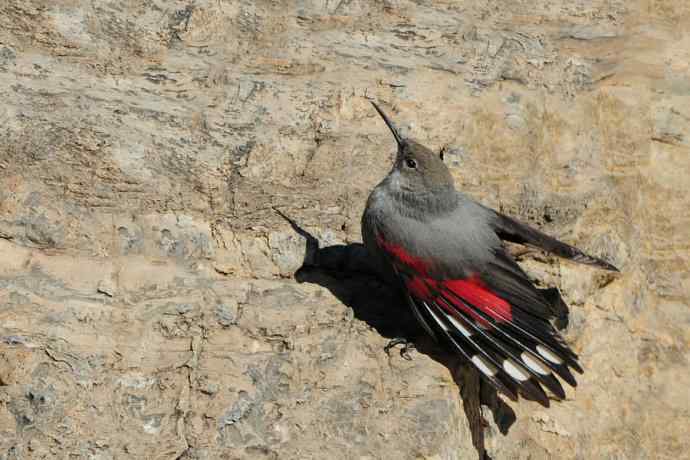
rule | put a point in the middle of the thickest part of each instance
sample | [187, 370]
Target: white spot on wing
[440, 323]
[459, 326]
[515, 370]
[548, 354]
[483, 365]
[534, 364]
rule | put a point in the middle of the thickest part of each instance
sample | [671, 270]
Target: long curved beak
[390, 124]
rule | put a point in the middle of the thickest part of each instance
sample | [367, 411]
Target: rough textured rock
[152, 303]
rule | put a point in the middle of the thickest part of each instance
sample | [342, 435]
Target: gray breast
[455, 242]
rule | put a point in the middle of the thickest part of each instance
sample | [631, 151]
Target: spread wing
[467, 291]
[490, 313]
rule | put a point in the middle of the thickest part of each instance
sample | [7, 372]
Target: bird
[446, 253]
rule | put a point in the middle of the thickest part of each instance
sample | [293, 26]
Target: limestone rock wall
[154, 304]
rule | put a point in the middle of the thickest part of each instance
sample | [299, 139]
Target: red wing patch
[461, 294]
[417, 264]
[473, 291]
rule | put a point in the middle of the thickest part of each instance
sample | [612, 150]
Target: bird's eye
[410, 163]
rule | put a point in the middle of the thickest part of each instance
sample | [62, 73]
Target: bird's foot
[407, 346]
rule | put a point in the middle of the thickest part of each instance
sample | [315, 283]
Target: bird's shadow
[346, 272]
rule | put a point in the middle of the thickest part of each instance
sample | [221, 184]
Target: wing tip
[594, 261]
[532, 391]
[575, 365]
[607, 266]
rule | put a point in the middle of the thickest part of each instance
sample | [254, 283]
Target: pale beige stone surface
[149, 306]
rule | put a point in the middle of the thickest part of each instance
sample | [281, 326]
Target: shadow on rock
[346, 272]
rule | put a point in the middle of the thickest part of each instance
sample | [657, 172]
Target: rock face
[154, 304]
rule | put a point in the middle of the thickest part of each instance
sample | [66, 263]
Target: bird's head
[417, 170]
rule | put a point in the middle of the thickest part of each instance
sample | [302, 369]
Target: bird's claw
[407, 346]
